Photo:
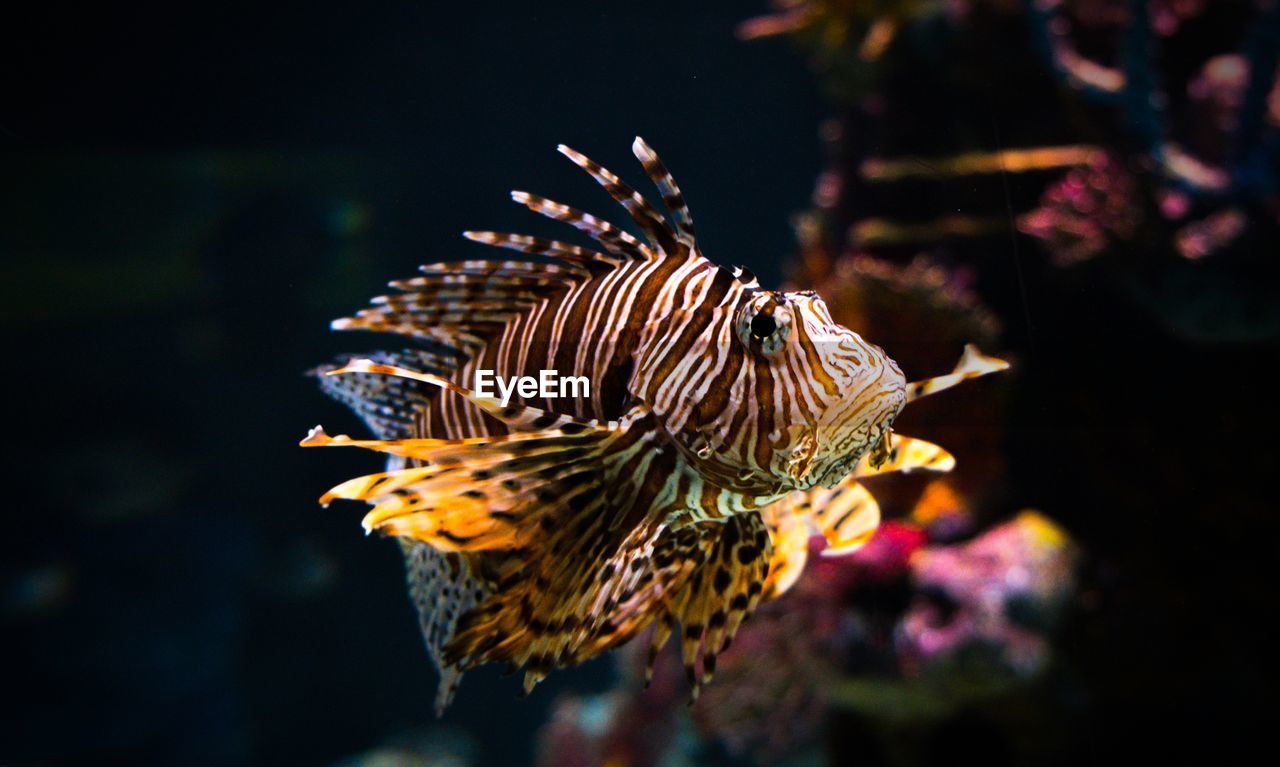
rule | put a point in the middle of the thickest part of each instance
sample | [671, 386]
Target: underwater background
[1088, 188]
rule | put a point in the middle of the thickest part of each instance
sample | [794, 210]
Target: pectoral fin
[789, 530]
[723, 580]
[479, 493]
[846, 516]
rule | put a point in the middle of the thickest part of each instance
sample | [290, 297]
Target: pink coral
[996, 593]
[1085, 212]
[1216, 95]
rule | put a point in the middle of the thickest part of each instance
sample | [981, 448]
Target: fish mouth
[873, 440]
[879, 452]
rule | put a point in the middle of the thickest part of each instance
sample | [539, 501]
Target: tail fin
[443, 588]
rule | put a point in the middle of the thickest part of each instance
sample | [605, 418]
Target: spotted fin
[731, 558]
[467, 494]
[472, 494]
[581, 586]
[973, 363]
[702, 577]
[442, 586]
[592, 583]
[846, 515]
[588, 589]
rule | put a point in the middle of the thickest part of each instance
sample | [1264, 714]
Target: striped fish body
[584, 326]
[725, 423]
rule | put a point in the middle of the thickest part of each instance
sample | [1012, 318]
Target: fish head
[807, 397]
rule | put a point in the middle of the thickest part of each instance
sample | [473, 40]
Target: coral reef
[1134, 144]
[988, 599]
[1086, 212]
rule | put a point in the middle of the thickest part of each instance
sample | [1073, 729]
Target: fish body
[725, 422]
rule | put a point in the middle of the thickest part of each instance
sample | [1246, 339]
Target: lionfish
[726, 423]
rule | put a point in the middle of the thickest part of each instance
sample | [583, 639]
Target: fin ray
[619, 242]
[667, 187]
[973, 363]
[659, 232]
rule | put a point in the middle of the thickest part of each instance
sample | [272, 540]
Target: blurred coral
[922, 310]
[1216, 95]
[594, 730]
[987, 603]
[1217, 143]
[633, 725]
[830, 26]
[1090, 209]
[1133, 144]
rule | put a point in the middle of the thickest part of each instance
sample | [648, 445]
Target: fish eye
[763, 325]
